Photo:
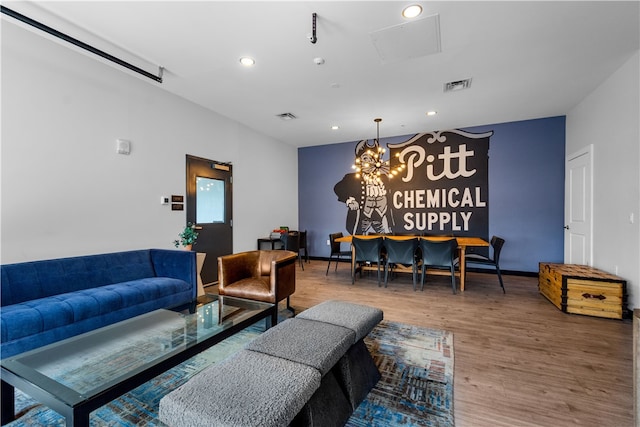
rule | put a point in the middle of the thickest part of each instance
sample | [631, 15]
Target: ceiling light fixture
[247, 61]
[335, 127]
[369, 163]
[412, 11]
[431, 113]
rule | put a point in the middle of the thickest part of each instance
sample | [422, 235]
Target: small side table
[200, 257]
[270, 240]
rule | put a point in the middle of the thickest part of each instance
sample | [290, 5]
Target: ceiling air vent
[408, 40]
[457, 85]
[286, 116]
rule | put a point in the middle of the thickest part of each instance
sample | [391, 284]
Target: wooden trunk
[581, 289]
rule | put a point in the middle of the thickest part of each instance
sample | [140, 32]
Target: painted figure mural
[365, 193]
[433, 183]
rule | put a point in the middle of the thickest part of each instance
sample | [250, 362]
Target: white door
[578, 208]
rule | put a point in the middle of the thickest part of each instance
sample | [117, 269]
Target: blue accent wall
[526, 190]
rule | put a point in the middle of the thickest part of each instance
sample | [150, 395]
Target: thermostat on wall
[123, 146]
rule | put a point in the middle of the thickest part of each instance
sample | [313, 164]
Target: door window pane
[209, 200]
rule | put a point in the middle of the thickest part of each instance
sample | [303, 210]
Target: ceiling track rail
[313, 37]
[80, 44]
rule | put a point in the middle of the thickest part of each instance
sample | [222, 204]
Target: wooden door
[209, 207]
[578, 208]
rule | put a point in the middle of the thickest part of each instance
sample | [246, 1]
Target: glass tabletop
[80, 367]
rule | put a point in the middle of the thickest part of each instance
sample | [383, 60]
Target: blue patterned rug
[416, 388]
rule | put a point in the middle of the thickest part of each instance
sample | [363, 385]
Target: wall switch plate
[164, 200]
[328, 243]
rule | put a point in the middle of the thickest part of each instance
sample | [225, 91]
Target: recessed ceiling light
[412, 11]
[431, 113]
[247, 61]
[335, 127]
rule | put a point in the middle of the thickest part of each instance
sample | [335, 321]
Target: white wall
[66, 192]
[609, 119]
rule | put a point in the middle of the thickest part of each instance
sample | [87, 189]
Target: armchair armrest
[283, 274]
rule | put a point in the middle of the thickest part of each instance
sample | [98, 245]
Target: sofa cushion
[39, 279]
[126, 266]
[251, 288]
[39, 315]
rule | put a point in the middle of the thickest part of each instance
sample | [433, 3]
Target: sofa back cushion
[38, 279]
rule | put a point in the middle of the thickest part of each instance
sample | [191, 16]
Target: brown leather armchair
[268, 276]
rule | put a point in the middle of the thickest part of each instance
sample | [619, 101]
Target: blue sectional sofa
[46, 301]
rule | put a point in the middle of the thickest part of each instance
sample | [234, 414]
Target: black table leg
[79, 417]
[7, 403]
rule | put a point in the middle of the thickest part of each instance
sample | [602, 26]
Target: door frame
[588, 204]
[192, 163]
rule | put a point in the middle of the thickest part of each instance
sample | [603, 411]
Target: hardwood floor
[519, 361]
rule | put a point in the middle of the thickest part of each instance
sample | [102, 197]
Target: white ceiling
[527, 59]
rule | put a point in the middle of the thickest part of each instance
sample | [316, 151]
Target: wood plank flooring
[519, 361]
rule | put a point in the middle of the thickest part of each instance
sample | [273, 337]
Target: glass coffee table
[78, 375]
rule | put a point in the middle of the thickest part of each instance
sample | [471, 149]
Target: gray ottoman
[321, 346]
[328, 406]
[356, 370]
[248, 389]
[359, 318]
[316, 344]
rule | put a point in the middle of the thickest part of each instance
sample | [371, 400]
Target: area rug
[416, 388]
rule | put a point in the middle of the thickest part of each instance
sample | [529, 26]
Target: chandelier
[369, 161]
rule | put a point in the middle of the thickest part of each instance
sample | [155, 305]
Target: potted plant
[188, 237]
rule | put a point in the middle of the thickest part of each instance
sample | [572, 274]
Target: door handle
[196, 227]
[566, 227]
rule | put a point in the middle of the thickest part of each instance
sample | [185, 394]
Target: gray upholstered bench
[361, 319]
[246, 389]
[304, 371]
[357, 369]
[320, 346]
